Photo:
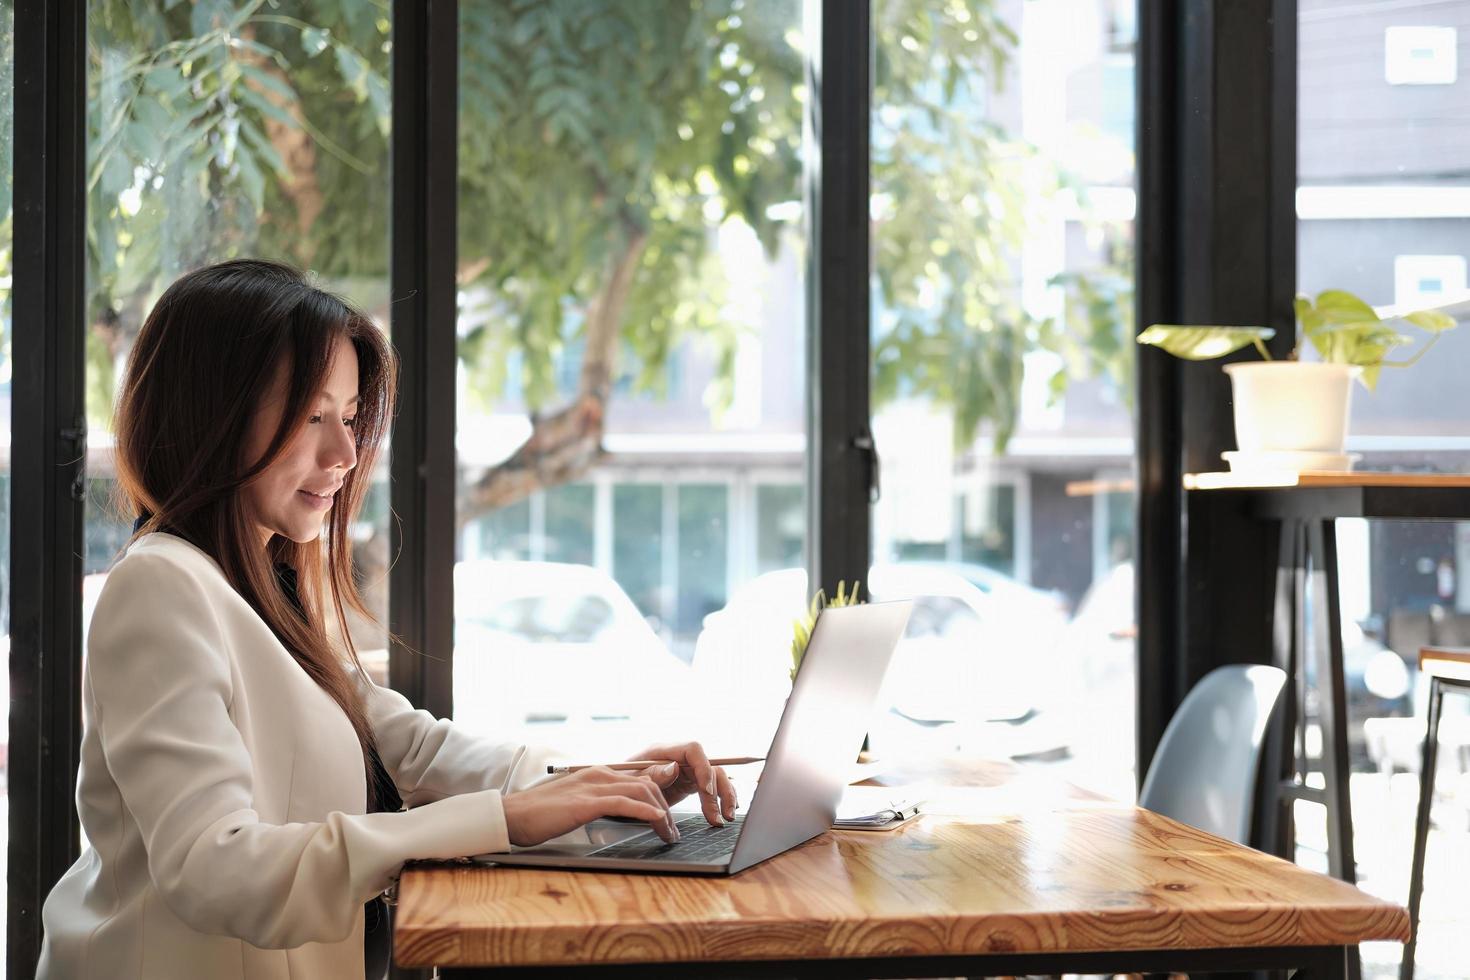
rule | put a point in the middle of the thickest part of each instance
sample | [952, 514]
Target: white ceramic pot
[1291, 406]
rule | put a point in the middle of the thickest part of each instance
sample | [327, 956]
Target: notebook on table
[875, 808]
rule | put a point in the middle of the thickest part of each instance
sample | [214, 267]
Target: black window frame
[1216, 243]
[48, 450]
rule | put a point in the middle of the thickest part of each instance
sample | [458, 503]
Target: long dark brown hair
[202, 366]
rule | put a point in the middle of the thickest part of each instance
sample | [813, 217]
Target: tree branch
[566, 443]
[295, 146]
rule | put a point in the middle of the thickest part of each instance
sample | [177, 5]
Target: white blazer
[222, 792]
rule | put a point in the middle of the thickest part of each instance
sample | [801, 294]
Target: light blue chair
[1204, 771]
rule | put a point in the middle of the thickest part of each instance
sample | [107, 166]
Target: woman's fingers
[647, 786]
[644, 791]
[707, 778]
[664, 776]
[704, 773]
[696, 769]
[717, 796]
[676, 783]
[728, 800]
[620, 805]
[552, 808]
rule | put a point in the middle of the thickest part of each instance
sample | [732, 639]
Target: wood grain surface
[1008, 866]
[1453, 662]
[1248, 481]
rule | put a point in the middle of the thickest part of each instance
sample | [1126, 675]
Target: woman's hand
[554, 807]
[693, 774]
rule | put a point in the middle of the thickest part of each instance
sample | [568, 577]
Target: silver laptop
[821, 730]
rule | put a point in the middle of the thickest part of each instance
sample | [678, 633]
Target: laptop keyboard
[698, 841]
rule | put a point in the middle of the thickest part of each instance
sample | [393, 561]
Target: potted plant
[1292, 414]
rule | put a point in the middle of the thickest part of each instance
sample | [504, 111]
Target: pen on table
[738, 760]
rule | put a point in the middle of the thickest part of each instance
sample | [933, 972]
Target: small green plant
[803, 627]
[1342, 328]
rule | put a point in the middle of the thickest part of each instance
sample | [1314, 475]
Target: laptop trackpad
[585, 839]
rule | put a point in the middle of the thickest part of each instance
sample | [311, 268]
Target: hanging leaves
[1203, 343]
[197, 118]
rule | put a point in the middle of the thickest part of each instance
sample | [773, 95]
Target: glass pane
[638, 543]
[503, 533]
[780, 513]
[631, 323]
[569, 519]
[1002, 207]
[7, 218]
[1383, 207]
[703, 554]
[225, 129]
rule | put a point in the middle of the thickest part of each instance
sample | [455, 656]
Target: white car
[543, 644]
[967, 660]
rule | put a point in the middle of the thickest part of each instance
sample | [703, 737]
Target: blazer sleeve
[160, 677]
[431, 758]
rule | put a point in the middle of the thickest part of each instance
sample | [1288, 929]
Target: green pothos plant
[803, 627]
[1342, 328]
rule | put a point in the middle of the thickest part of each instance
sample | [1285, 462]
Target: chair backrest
[1204, 771]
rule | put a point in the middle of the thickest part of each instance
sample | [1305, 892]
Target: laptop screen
[822, 728]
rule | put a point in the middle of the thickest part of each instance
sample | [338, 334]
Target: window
[780, 525]
[569, 523]
[1388, 155]
[1002, 180]
[704, 554]
[638, 545]
[631, 330]
[1421, 281]
[1419, 55]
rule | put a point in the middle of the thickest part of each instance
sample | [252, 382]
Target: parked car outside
[998, 584]
[971, 668]
[546, 645]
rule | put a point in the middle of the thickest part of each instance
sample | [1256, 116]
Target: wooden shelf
[1265, 481]
[1451, 662]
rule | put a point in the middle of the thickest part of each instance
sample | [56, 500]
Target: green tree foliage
[600, 144]
[221, 128]
[1099, 341]
[594, 134]
[949, 216]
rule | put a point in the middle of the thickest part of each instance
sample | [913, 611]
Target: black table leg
[1325, 650]
[1421, 823]
[1335, 963]
[1332, 698]
[1307, 572]
[1276, 812]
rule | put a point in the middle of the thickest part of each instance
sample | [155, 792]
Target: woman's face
[294, 494]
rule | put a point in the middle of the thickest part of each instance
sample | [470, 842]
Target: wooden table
[1017, 874]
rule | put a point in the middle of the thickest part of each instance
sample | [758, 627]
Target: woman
[241, 778]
